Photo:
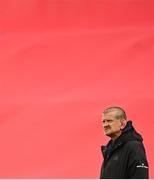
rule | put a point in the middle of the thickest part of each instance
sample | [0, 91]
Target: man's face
[111, 125]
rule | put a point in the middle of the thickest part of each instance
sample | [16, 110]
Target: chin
[108, 134]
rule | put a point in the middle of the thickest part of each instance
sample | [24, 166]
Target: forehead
[109, 115]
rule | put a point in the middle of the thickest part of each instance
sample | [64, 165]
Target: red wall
[61, 63]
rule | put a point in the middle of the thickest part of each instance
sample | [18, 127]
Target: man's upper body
[124, 155]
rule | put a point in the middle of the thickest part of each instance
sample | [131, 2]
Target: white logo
[142, 166]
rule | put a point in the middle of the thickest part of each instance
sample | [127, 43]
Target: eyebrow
[107, 119]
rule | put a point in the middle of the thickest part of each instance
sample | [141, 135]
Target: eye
[109, 121]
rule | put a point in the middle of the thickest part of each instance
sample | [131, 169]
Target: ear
[123, 123]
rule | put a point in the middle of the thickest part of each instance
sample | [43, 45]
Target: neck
[115, 136]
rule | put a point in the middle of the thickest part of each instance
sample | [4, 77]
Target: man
[124, 155]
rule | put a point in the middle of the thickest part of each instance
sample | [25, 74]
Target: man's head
[114, 119]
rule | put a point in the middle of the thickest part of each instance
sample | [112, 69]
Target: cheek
[117, 126]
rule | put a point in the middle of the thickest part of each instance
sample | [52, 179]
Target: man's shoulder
[134, 146]
[133, 143]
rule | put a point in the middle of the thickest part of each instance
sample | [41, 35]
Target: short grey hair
[121, 114]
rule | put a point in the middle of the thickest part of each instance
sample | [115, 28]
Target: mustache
[107, 127]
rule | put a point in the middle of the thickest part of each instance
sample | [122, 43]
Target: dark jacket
[126, 157]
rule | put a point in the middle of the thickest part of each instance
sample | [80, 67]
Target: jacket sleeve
[137, 163]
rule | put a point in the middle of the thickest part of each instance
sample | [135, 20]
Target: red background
[61, 63]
